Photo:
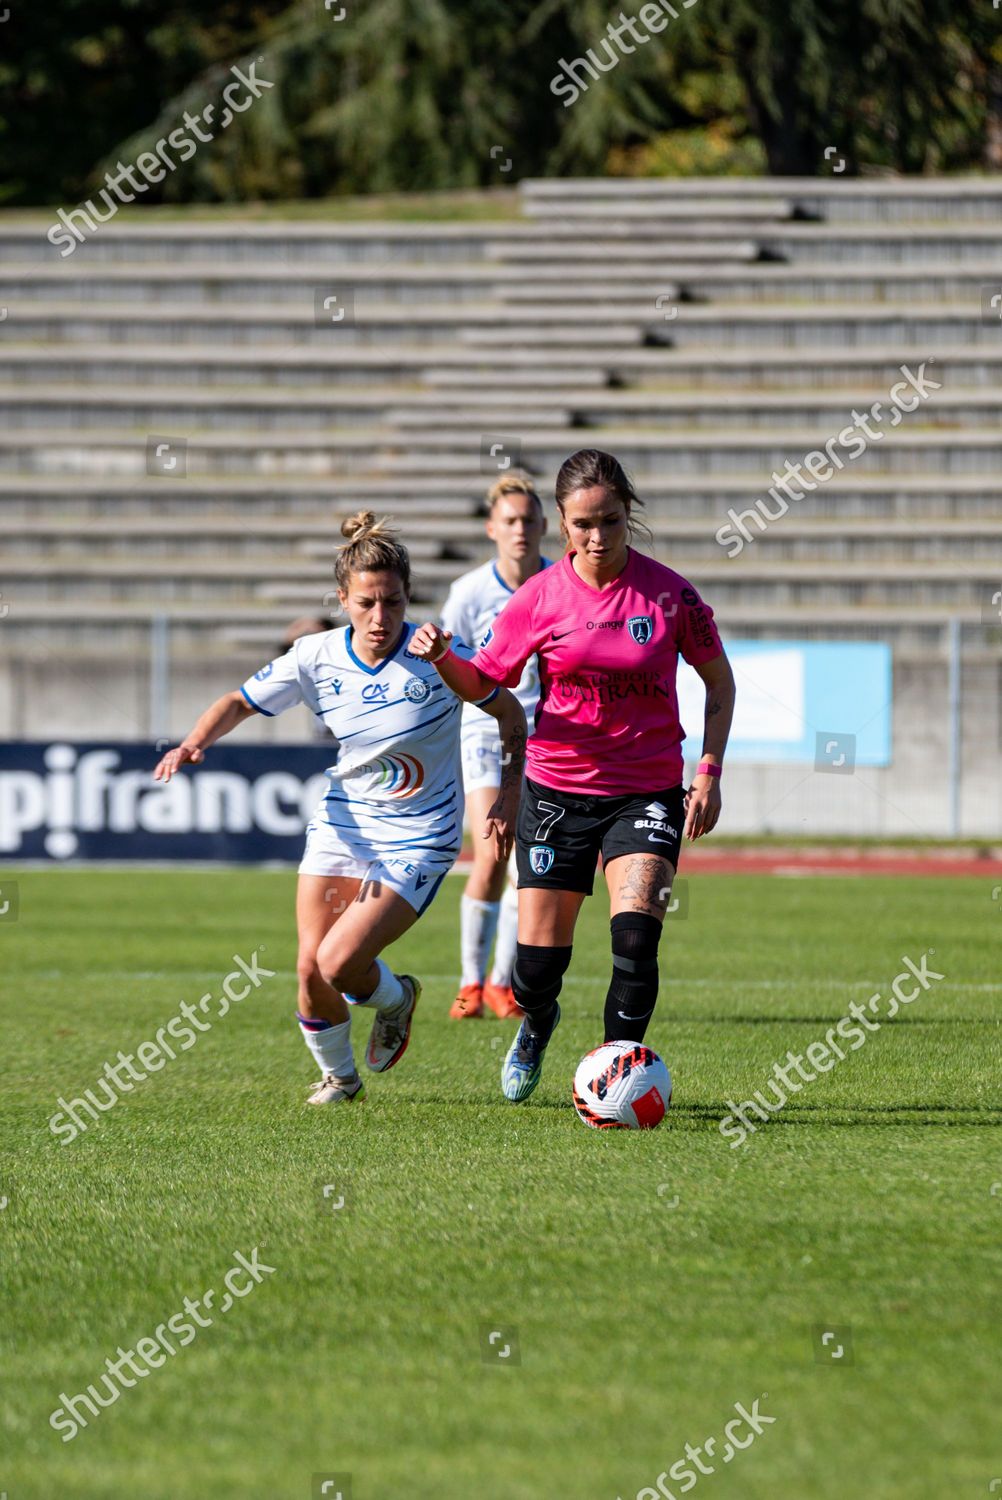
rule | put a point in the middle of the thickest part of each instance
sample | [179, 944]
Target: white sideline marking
[453, 977]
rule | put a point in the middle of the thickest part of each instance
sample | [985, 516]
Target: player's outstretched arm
[466, 681]
[225, 714]
[702, 804]
[510, 715]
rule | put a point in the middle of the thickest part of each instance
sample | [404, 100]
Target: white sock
[331, 1047]
[388, 992]
[504, 948]
[478, 921]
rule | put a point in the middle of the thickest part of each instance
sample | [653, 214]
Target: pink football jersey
[607, 721]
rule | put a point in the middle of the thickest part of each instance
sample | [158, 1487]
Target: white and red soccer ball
[622, 1086]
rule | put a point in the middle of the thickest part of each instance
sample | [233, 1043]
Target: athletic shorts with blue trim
[416, 874]
[481, 754]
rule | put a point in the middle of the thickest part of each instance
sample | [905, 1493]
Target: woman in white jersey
[515, 524]
[390, 825]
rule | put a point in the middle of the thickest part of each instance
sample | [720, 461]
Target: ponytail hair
[371, 547]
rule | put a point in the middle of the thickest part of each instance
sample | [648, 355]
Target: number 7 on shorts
[554, 812]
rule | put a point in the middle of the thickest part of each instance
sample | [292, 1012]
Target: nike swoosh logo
[652, 838]
[555, 637]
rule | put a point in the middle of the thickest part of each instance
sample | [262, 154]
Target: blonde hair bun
[371, 546]
[358, 526]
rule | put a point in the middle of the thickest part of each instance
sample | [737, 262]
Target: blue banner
[98, 800]
[794, 698]
[823, 702]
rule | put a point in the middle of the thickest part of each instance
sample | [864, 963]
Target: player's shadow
[850, 1114]
[901, 1019]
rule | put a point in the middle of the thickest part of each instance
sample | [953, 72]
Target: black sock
[633, 990]
[536, 980]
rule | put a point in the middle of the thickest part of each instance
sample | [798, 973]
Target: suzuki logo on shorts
[657, 816]
[641, 628]
[541, 857]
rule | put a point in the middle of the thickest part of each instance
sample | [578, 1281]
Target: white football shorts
[416, 876]
[481, 758]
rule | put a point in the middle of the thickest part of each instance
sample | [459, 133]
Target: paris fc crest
[641, 628]
[540, 858]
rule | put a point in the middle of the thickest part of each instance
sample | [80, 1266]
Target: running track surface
[802, 862]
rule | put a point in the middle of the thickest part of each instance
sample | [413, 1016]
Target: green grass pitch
[647, 1282]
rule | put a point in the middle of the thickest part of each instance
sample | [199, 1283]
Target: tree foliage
[415, 94]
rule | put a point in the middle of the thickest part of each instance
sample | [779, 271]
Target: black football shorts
[559, 836]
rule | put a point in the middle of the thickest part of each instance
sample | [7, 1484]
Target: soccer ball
[622, 1086]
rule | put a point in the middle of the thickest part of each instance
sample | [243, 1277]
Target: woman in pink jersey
[604, 763]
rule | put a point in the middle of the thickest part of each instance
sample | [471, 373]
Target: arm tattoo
[713, 706]
[513, 761]
[646, 880]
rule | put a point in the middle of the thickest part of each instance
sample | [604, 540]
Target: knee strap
[538, 975]
[635, 939]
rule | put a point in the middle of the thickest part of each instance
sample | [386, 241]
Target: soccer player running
[390, 825]
[515, 524]
[604, 767]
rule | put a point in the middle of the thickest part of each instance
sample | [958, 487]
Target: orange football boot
[468, 1004]
[501, 999]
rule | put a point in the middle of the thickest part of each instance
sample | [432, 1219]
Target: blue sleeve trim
[482, 702]
[256, 706]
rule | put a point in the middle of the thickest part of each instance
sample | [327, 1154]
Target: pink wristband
[707, 768]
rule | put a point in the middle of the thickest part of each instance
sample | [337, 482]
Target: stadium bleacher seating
[704, 331]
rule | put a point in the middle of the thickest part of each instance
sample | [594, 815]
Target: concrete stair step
[189, 572]
[873, 245]
[56, 547]
[205, 618]
[819, 369]
[901, 451]
[663, 206]
[283, 367]
[453, 501]
[934, 282]
[117, 496]
[206, 408]
[310, 531]
[743, 410]
[836, 197]
[772, 285]
[688, 369]
[857, 583]
[876, 245]
[246, 287]
[480, 324]
[386, 243]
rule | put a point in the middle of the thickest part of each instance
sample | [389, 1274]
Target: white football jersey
[396, 781]
[473, 604]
